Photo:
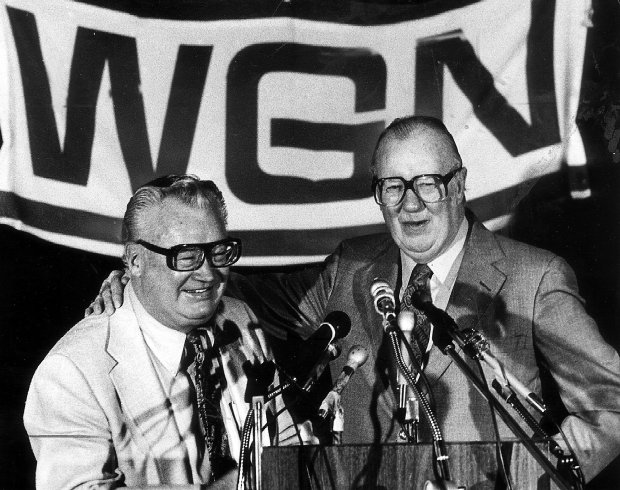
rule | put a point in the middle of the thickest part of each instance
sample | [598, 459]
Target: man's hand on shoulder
[110, 295]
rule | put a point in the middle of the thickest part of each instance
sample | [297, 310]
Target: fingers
[110, 295]
[95, 308]
[117, 284]
[108, 301]
[102, 303]
[108, 280]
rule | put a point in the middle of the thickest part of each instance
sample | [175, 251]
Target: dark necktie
[208, 395]
[419, 284]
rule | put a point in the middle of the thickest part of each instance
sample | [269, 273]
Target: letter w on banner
[282, 112]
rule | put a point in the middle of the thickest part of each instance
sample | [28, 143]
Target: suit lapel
[232, 359]
[142, 396]
[383, 266]
[479, 280]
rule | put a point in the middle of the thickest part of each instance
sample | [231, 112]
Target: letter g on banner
[244, 177]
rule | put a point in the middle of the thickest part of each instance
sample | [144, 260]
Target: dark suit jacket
[523, 299]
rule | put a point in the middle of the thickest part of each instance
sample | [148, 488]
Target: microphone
[356, 358]
[406, 322]
[260, 376]
[476, 346]
[338, 324]
[408, 405]
[383, 298]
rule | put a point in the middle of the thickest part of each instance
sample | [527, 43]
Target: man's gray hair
[187, 189]
[406, 127]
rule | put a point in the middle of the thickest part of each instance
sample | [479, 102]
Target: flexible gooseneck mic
[356, 358]
[336, 325]
[383, 298]
[475, 345]
[331, 406]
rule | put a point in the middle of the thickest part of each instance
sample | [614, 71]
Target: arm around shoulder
[110, 295]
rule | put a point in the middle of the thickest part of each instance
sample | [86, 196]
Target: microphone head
[334, 351]
[340, 322]
[406, 320]
[383, 295]
[357, 356]
[260, 376]
[378, 286]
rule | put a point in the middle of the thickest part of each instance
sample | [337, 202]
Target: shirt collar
[441, 265]
[165, 343]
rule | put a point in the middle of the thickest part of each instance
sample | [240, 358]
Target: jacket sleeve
[585, 368]
[68, 430]
[288, 302]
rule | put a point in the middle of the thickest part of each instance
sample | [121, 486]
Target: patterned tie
[419, 284]
[208, 395]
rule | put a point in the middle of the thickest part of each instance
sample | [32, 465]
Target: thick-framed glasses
[191, 256]
[429, 188]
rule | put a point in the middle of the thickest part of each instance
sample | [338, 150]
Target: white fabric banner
[282, 113]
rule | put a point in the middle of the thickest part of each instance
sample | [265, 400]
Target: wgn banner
[281, 111]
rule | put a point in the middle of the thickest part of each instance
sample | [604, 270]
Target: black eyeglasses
[429, 188]
[190, 256]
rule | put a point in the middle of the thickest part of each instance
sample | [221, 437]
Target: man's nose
[205, 272]
[411, 202]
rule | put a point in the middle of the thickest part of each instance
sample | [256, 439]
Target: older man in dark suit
[522, 299]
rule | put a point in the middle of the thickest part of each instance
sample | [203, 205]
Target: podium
[398, 466]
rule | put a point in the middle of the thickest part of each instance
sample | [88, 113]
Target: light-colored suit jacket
[98, 415]
[523, 299]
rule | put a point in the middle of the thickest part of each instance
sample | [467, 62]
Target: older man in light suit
[523, 299]
[113, 403]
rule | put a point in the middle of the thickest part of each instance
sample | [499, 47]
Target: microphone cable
[501, 462]
[422, 378]
[440, 466]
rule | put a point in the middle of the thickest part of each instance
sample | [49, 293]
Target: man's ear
[461, 179]
[134, 259]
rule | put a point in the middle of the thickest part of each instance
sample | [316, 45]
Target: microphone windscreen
[406, 321]
[341, 323]
[357, 356]
[380, 286]
[383, 296]
[260, 376]
[297, 355]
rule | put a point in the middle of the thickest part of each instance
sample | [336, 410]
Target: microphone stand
[253, 425]
[441, 456]
[446, 345]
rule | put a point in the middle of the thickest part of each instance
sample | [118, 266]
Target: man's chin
[196, 319]
[420, 254]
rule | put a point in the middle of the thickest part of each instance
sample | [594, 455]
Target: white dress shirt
[444, 269]
[166, 350]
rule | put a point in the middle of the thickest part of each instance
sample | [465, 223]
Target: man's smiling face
[179, 300]
[421, 230]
